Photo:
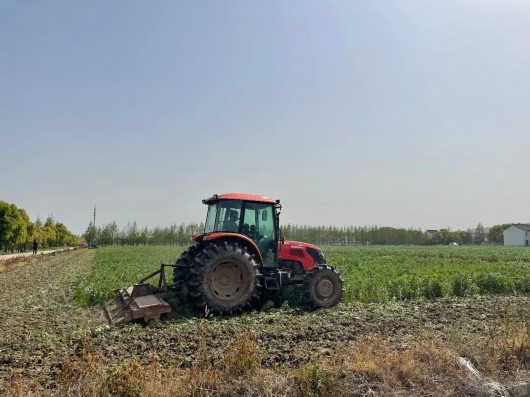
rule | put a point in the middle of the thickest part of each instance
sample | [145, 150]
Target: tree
[49, 221]
[465, 237]
[480, 235]
[90, 234]
[28, 233]
[107, 234]
[13, 231]
[495, 234]
[17, 231]
[48, 236]
[62, 235]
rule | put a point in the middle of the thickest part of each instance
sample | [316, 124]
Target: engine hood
[299, 244]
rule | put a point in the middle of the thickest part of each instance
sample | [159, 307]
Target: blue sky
[397, 113]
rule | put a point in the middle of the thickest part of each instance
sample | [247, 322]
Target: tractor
[240, 257]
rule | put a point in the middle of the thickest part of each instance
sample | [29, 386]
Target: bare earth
[40, 328]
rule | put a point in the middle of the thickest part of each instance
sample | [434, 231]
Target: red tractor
[240, 256]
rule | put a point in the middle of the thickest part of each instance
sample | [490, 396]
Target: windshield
[223, 216]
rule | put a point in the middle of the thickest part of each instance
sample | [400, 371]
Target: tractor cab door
[259, 223]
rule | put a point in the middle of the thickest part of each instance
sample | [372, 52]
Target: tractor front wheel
[224, 278]
[322, 287]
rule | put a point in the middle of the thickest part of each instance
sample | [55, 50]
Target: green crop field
[381, 273]
[119, 267]
[371, 273]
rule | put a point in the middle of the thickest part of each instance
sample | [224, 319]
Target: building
[517, 234]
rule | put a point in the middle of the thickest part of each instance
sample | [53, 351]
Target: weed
[243, 356]
[310, 380]
[126, 380]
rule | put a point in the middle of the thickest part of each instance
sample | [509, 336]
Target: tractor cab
[253, 217]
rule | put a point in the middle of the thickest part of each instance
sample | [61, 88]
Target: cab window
[224, 216]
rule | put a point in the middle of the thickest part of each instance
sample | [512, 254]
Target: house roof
[522, 226]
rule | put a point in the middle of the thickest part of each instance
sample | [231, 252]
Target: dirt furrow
[37, 319]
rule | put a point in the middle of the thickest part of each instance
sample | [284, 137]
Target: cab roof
[239, 196]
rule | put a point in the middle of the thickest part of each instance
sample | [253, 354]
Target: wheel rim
[324, 289]
[227, 280]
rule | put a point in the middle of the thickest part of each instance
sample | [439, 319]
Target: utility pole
[94, 224]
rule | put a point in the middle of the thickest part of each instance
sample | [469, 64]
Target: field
[371, 274]
[408, 314]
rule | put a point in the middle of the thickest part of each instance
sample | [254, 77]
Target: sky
[407, 113]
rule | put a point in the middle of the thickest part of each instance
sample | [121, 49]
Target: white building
[517, 234]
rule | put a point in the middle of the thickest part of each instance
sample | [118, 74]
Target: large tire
[224, 278]
[322, 287]
[184, 262]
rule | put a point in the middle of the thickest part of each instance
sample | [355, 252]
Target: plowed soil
[41, 329]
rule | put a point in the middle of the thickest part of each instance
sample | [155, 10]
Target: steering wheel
[264, 243]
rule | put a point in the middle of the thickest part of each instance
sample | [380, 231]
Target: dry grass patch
[243, 356]
[423, 368]
[504, 349]
[371, 366]
[374, 367]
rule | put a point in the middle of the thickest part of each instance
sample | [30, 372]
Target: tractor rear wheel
[184, 262]
[224, 278]
[322, 287]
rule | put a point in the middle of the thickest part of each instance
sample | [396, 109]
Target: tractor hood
[308, 255]
[299, 244]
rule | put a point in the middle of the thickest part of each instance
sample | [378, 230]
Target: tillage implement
[240, 256]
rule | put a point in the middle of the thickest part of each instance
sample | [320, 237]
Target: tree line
[383, 235]
[17, 232]
[132, 234]
[354, 235]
